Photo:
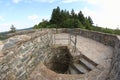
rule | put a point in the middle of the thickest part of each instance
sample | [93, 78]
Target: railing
[72, 38]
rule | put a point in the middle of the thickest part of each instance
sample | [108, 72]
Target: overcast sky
[26, 13]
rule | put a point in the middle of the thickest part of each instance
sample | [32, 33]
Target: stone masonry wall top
[106, 39]
[22, 53]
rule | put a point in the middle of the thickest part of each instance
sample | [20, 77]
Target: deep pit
[60, 60]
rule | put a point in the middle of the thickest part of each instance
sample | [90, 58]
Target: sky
[26, 13]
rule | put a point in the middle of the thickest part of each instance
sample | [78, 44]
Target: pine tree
[81, 17]
[90, 20]
[55, 18]
[72, 12]
[13, 29]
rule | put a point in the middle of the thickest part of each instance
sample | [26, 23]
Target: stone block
[23, 76]
[3, 76]
[1, 42]
[15, 62]
[8, 46]
[13, 40]
[1, 54]
[24, 37]
[19, 65]
[10, 76]
[4, 68]
[26, 58]
[20, 71]
[9, 56]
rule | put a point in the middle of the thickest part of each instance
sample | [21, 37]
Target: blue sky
[26, 13]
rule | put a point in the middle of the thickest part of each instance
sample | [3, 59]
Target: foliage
[117, 31]
[65, 19]
[107, 30]
[13, 29]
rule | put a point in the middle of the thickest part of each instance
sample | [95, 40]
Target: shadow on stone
[60, 59]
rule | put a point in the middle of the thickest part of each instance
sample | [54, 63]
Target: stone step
[74, 70]
[81, 68]
[85, 66]
[89, 63]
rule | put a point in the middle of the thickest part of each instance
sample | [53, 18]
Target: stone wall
[103, 38]
[109, 40]
[115, 65]
[19, 33]
[106, 39]
[22, 53]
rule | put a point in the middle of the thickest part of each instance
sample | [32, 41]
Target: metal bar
[69, 40]
[72, 41]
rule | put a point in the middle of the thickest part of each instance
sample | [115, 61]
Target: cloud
[33, 17]
[26, 23]
[69, 1]
[17, 24]
[16, 1]
[106, 13]
[43, 1]
[4, 27]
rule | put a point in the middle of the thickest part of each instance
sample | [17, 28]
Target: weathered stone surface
[23, 52]
[8, 45]
[115, 68]
[24, 37]
[10, 77]
[1, 54]
[1, 46]
[13, 40]
[1, 43]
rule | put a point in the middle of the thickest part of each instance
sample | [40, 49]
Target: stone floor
[92, 49]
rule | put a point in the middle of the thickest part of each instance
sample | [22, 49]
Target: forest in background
[65, 19]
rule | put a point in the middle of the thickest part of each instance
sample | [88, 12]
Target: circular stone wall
[60, 60]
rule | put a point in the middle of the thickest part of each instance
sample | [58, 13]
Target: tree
[117, 31]
[64, 15]
[43, 24]
[65, 19]
[72, 13]
[90, 20]
[13, 29]
[35, 26]
[55, 17]
[72, 23]
[81, 17]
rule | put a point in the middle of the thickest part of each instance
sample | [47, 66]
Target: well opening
[60, 59]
